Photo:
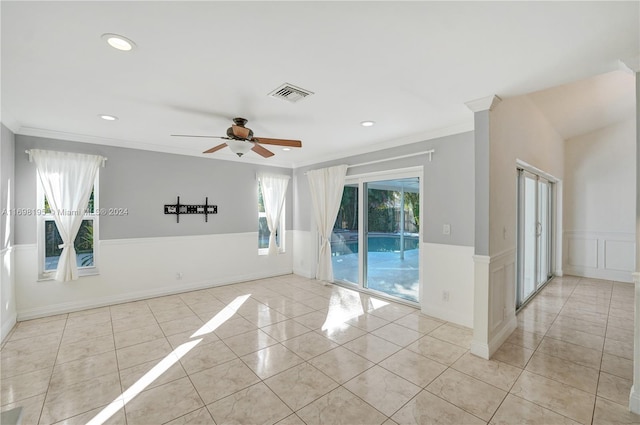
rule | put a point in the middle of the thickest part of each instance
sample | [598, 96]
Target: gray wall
[7, 148]
[143, 181]
[482, 193]
[448, 185]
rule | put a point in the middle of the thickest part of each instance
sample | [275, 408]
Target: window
[263, 228]
[49, 238]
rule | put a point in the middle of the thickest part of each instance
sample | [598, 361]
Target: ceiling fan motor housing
[240, 122]
[231, 135]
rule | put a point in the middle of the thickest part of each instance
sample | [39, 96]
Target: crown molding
[459, 128]
[11, 125]
[95, 140]
[483, 104]
[630, 64]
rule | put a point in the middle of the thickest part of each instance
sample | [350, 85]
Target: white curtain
[326, 187]
[274, 190]
[67, 179]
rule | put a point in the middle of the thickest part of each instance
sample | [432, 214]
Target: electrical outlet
[179, 276]
[445, 296]
[446, 229]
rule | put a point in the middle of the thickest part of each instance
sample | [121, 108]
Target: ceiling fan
[240, 140]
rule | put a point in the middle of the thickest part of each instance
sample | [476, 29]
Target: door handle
[538, 229]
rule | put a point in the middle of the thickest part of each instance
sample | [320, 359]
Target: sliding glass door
[376, 239]
[534, 234]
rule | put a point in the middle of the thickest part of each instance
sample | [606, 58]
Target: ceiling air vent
[290, 93]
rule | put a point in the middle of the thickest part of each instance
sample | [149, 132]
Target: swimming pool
[375, 243]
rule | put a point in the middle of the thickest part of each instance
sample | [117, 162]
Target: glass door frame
[360, 180]
[538, 283]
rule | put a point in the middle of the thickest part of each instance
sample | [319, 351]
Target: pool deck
[386, 272]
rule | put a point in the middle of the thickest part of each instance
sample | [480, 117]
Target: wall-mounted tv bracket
[179, 208]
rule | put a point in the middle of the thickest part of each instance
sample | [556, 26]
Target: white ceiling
[409, 66]
[586, 105]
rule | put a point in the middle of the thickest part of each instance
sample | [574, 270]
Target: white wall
[448, 268]
[7, 203]
[518, 132]
[599, 199]
[305, 253]
[145, 267]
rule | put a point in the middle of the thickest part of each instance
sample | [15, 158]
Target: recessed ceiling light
[108, 117]
[118, 42]
[367, 123]
[286, 149]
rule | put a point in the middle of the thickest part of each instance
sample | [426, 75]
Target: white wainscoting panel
[619, 255]
[133, 269]
[496, 319]
[583, 252]
[304, 253]
[7, 292]
[502, 284]
[600, 255]
[448, 268]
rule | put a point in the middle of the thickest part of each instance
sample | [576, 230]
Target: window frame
[280, 233]
[94, 216]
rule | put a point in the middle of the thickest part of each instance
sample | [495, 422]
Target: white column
[633, 65]
[481, 344]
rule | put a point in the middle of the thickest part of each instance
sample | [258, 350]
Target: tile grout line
[44, 401]
[534, 352]
[606, 328]
[115, 353]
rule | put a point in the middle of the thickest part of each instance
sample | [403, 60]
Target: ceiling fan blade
[216, 148]
[266, 153]
[192, 135]
[241, 132]
[279, 142]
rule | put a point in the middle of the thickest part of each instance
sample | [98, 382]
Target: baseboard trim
[604, 274]
[480, 349]
[446, 314]
[304, 273]
[8, 326]
[634, 400]
[139, 295]
[486, 350]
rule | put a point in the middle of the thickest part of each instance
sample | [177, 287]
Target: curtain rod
[28, 152]
[429, 152]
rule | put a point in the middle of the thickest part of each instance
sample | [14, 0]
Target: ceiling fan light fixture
[286, 149]
[108, 117]
[239, 147]
[118, 42]
[367, 123]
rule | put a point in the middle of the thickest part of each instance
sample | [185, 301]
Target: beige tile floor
[290, 350]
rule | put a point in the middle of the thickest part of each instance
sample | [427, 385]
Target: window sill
[265, 251]
[93, 271]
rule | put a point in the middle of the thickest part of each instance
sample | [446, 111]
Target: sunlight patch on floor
[169, 360]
